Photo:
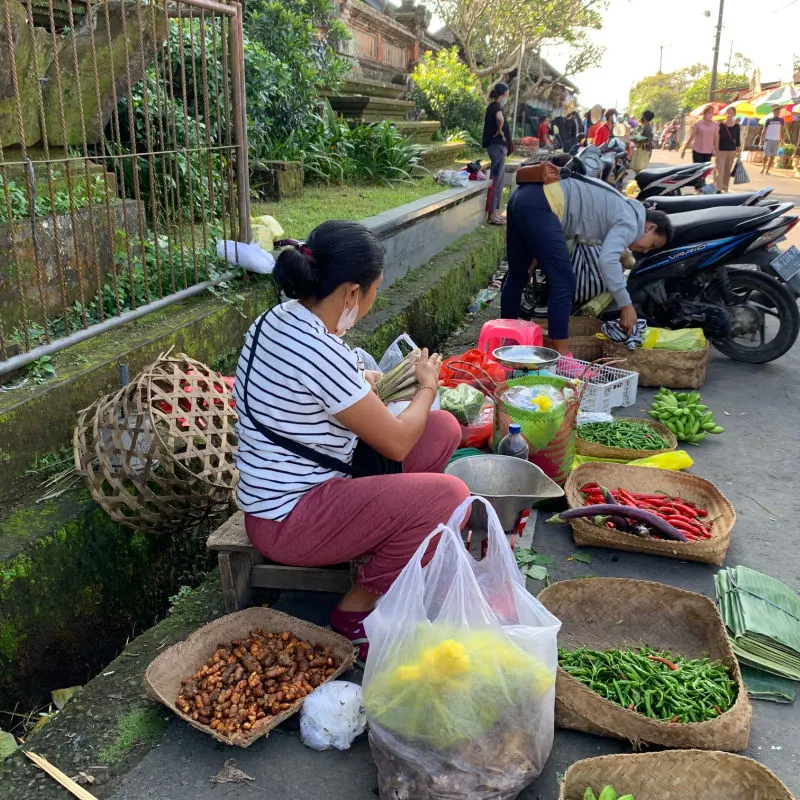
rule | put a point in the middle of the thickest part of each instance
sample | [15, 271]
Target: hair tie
[305, 250]
[301, 247]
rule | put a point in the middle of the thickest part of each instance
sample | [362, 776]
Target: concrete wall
[414, 233]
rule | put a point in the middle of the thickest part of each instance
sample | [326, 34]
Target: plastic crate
[606, 387]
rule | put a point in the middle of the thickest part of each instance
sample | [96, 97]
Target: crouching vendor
[540, 220]
[327, 473]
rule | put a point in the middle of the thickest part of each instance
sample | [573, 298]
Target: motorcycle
[694, 283]
[609, 162]
[669, 181]
[763, 254]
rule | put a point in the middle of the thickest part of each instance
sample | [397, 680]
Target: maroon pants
[385, 517]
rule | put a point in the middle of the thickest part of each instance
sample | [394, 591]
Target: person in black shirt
[728, 149]
[496, 140]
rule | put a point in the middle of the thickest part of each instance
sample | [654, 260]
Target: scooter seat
[647, 176]
[695, 202]
[715, 223]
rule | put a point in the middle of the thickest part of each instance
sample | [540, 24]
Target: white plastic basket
[606, 387]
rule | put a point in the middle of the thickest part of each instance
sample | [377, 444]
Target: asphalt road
[755, 463]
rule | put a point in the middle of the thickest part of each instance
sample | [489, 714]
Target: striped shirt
[302, 376]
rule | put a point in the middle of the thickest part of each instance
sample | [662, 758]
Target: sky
[766, 31]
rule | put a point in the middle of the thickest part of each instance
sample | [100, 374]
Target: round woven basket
[586, 448]
[583, 343]
[614, 613]
[648, 479]
[675, 369]
[158, 454]
[675, 775]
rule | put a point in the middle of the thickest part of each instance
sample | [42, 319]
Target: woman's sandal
[350, 624]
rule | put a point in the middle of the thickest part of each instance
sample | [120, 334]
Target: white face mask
[348, 318]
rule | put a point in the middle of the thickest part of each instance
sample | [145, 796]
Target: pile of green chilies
[630, 434]
[656, 684]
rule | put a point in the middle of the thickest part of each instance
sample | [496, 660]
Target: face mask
[346, 321]
[504, 101]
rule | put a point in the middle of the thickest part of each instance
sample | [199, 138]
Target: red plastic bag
[475, 367]
[478, 434]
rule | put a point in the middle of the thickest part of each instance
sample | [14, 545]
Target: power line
[783, 8]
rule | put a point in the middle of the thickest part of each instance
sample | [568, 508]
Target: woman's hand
[428, 369]
[372, 377]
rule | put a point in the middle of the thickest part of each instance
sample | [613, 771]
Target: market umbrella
[698, 112]
[742, 108]
[785, 95]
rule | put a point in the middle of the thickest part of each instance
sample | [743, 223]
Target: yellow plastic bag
[266, 230]
[687, 339]
[675, 460]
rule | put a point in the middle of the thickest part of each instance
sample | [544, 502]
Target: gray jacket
[595, 213]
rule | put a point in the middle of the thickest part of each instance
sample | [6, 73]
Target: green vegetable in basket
[684, 414]
[608, 793]
[656, 684]
[464, 402]
[629, 434]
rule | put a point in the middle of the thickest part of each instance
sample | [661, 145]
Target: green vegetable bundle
[608, 793]
[464, 402]
[684, 414]
[660, 686]
[400, 382]
[629, 434]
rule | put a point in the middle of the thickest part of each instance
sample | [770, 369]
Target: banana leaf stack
[762, 616]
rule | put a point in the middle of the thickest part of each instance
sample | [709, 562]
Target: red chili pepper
[588, 487]
[652, 498]
[627, 497]
[684, 525]
[664, 661]
[701, 512]
[684, 509]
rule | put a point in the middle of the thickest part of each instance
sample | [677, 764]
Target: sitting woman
[310, 422]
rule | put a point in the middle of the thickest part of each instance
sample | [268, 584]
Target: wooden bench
[242, 568]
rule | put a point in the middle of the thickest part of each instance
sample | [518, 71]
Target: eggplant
[620, 523]
[659, 526]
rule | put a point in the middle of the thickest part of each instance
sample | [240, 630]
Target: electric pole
[661, 56]
[716, 52]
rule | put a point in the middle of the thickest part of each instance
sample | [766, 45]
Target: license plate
[787, 264]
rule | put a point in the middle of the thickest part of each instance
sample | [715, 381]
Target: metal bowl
[523, 356]
[511, 485]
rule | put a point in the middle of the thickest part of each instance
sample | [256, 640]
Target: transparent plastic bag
[394, 355]
[539, 398]
[464, 402]
[685, 339]
[459, 686]
[332, 716]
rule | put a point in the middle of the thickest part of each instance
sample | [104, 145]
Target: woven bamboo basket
[586, 448]
[583, 343]
[675, 775]
[158, 454]
[165, 673]
[675, 369]
[611, 613]
[647, 479]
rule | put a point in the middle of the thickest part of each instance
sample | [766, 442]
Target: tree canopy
[698, 92]
[490, 32]
[663, 93]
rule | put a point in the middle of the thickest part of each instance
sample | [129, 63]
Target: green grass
[319, 203]
[143, 726]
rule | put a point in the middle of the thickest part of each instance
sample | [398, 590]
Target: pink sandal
[350, 624]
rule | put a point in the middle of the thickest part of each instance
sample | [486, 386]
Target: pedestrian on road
[729, 148]
[540, 220]
[496, 140]
[702, 140]
[644, 143]
[543, 132]
[771, 138]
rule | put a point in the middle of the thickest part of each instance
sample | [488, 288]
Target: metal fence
[123, 158]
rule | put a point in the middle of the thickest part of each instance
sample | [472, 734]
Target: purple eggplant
[620, 523]
[659, 526]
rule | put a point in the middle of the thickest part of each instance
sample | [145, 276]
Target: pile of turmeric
[254, 679]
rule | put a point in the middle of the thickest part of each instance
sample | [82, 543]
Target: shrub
[446, 89]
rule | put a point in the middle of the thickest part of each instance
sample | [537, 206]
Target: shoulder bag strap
[297, 448]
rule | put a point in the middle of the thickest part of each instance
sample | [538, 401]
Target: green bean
[629, 434]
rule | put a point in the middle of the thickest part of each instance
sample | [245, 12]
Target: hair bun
[296, 273]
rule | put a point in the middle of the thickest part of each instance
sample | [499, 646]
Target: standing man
[496, 141]
[543, 133]
[771, 138]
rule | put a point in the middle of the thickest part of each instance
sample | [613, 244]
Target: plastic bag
[538, 398]
[452, 177]
[463, 402]
[250, 256]
[479, 431]
[685, 339]
[474, 367]
[367, 359]
[459, 686]
[394, 355]
[588, 417]
[332, 716]
[675, 460]
[266, 230]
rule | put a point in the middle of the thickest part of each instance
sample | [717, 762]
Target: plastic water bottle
[513, 443]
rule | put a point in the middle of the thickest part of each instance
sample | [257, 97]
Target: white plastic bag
[394, 355]
[250, 256]
[459, 686]
[332, 716]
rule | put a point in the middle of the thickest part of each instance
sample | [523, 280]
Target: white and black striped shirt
[302, 376]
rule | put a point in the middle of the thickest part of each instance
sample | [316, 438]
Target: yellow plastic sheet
[675, 460]
[683, 339]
